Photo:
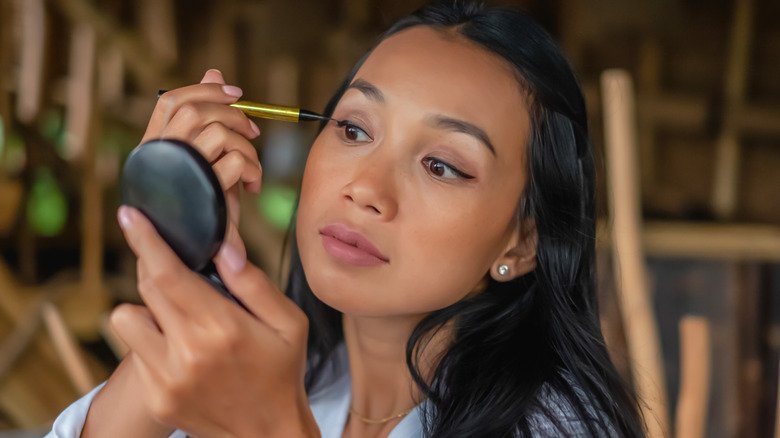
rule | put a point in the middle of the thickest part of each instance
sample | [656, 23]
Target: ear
[519, 256]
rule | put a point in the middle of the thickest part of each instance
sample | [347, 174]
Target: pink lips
[350, 246]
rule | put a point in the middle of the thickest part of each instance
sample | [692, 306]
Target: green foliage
[47, 208]
[277, 204]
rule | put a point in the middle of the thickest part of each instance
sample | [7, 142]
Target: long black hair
[529, 352]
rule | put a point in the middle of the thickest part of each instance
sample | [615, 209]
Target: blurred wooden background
[78, 80]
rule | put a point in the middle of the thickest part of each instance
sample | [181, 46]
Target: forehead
[443, 72]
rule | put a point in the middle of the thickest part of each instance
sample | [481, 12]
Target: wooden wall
[78, 80]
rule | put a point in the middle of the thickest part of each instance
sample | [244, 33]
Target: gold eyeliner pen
[273, 112]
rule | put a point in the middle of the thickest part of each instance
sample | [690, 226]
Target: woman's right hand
[201, 116]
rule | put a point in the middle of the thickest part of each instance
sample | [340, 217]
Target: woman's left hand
[208, 367]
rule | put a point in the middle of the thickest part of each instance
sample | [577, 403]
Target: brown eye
[443, 170]
[352, 133]
[437, 168]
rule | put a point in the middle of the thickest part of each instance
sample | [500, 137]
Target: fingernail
[254, 127]
[234, 261]
[232, 90]
[124, 217]
[214, 70]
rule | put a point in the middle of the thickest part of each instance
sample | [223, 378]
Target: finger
[181, 286]
[213, 76]
[253, 288]
[233, 201]
[168, 316]
[136, 326]
[234, 167]
[170, 102]
[191, 118]
[217, 139]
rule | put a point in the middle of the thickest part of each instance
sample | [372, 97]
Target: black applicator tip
[309, 116]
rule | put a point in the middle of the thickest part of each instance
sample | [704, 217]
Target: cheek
[447, 258]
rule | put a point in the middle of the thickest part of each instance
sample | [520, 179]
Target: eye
[444, 170]
[352, 132]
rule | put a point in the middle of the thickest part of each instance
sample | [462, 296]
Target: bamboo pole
[67, 348]
[728, 156]
[777, 408]
[30, 77]
[19, 339]
[636, 306]
[158, 27]
[693, 399]
[90, 301]
[141, 62]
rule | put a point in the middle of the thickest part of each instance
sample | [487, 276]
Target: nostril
[375, 209]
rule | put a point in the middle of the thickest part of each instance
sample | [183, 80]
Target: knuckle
[165, 101]
[163, 406]
[163, 278]
[217, 133]
[233, 159]
[120, 314]
[194, 363]
[190, 111]
[228, 338]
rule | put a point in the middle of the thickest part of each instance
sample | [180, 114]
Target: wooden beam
[631, 276]
[706, 240]
[692, 113]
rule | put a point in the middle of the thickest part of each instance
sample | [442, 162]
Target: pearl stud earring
[503, 269]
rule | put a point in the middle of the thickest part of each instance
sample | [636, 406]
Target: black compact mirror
[174, 186]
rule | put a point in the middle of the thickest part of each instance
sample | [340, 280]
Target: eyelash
[427, 161]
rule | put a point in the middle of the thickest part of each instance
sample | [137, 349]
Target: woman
[442, 277]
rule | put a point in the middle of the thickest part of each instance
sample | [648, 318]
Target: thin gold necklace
[380, 421]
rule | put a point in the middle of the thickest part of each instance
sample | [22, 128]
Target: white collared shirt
[329, 403]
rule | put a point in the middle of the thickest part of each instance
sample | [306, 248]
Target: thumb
[213, 76]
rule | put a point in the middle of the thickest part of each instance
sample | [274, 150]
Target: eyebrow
[438, 121]
[456, 125]
[368, 89]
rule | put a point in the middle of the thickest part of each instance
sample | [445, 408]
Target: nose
[373, 187]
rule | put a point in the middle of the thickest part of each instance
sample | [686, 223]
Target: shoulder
[557, 414]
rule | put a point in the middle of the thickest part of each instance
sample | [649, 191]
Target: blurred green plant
[276, 203]
[47, 208]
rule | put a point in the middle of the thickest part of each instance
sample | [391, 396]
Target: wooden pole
[728, 157]
[777, 408]
[68, 349]
[693, 400]
[30, 78]
[631, 277]
[90, 302]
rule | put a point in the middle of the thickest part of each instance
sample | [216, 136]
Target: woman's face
[404, 210]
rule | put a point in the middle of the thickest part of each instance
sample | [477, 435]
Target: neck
[382, 385]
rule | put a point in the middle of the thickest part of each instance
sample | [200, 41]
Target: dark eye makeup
[438, 167]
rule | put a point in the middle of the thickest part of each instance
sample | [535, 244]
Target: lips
[348, 245]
